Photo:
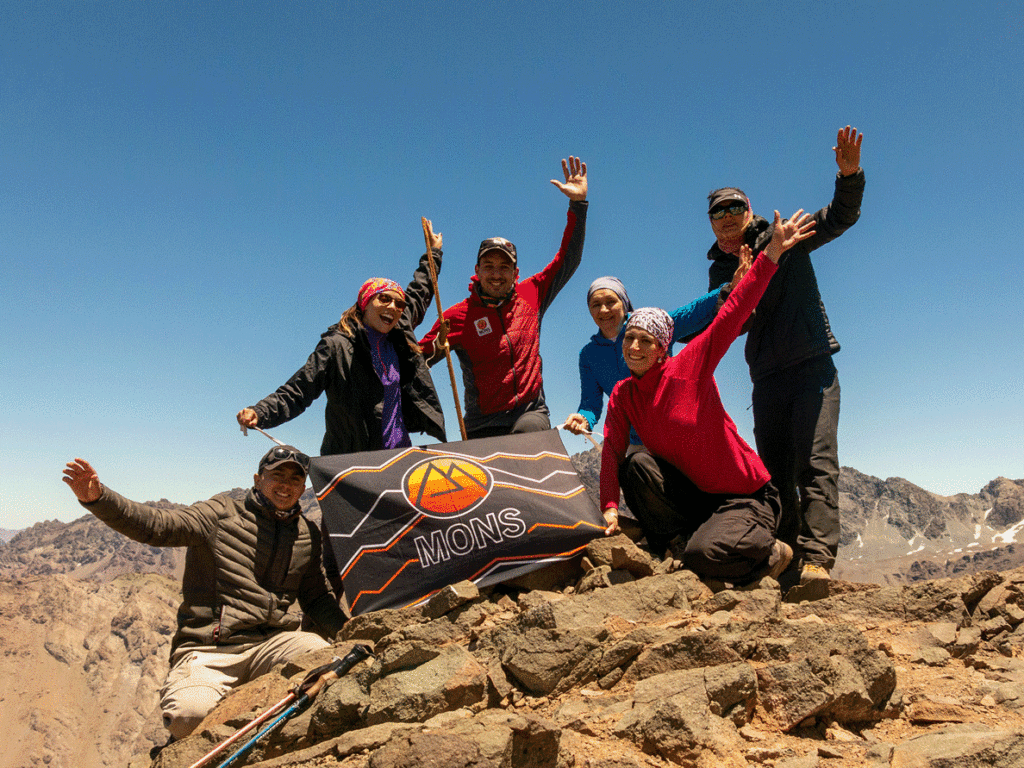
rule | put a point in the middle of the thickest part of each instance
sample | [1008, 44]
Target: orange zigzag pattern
[376, 470]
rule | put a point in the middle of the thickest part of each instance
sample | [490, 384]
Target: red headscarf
[376, 285]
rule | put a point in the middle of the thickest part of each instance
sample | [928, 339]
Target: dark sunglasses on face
[385, 299]
[286, 454]
[735, 209]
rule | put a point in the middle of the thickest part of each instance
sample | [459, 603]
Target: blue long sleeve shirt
[602, 365]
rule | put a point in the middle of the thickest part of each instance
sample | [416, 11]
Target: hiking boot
[779, 559]
[814, 572]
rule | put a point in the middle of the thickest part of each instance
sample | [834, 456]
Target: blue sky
[193, 192]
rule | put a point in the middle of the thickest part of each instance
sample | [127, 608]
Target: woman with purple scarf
[378, 385]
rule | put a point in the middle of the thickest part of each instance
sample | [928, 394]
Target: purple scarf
[385, 364]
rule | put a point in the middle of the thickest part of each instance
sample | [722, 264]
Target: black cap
[725, 194]
[497, 244]
[284, 454]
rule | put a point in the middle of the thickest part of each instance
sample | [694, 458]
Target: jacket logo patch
[483, 326]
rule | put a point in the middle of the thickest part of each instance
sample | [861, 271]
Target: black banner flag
[405, 523]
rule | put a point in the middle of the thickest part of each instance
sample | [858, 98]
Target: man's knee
[186, 702]
[181, 717]
[280, 648]
[534, 421]
[194, 686]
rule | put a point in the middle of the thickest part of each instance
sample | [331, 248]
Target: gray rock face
[452, 680]
[913, 534]
[687, 690]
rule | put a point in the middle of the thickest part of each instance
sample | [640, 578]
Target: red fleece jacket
[676, 410]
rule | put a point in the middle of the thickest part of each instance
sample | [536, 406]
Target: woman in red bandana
[378, 385]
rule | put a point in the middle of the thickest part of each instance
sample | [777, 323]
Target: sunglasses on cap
[734, 209]
[281, 454]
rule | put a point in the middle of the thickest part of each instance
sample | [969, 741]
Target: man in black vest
[248, 560]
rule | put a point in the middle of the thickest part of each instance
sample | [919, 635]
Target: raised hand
[83, 480]
[786, 234]
[247, 418]
[847, 150]
[575, 172]
[746, 259]
[435, 237]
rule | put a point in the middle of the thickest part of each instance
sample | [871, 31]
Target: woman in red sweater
[713, 491]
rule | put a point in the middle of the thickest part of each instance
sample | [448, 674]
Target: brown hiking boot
[814, 572]
[780, 558]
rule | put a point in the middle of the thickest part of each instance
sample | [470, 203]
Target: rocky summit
[912, 656]
[632, 665]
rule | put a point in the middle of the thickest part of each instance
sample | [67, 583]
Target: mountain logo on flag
[446, 486]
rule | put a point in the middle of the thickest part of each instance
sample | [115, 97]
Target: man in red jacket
[496, 331]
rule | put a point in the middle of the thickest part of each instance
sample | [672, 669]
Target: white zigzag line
[532, 479]
[377, 468]
[552, 454]
[369, 512]
[407, 451]
[563, 494]
[359, 551]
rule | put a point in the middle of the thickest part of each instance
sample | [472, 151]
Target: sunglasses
[287, 454]
[735, 209]
[385, 299]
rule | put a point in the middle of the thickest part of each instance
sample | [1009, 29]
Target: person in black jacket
[378, 385]
[249, 559]
[789, 351]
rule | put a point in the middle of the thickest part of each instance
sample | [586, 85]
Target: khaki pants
[203, 675]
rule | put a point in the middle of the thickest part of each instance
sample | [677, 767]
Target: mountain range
[892, 532]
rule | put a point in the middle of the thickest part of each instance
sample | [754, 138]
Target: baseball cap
[726, 194]
[497, 244]
[284, 454]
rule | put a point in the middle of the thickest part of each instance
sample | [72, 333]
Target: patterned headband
[376, 285]
[655, 321]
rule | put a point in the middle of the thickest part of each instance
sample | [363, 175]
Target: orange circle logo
[446, 486]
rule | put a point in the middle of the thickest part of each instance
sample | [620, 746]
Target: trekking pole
[307, 681]
[245, 433]
[440, 316]
[309, 688]
[248, 728]
[586, 433]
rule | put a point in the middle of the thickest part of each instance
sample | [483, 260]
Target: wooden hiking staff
[442, 330]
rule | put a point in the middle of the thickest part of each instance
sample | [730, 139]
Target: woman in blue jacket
[602, 367]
